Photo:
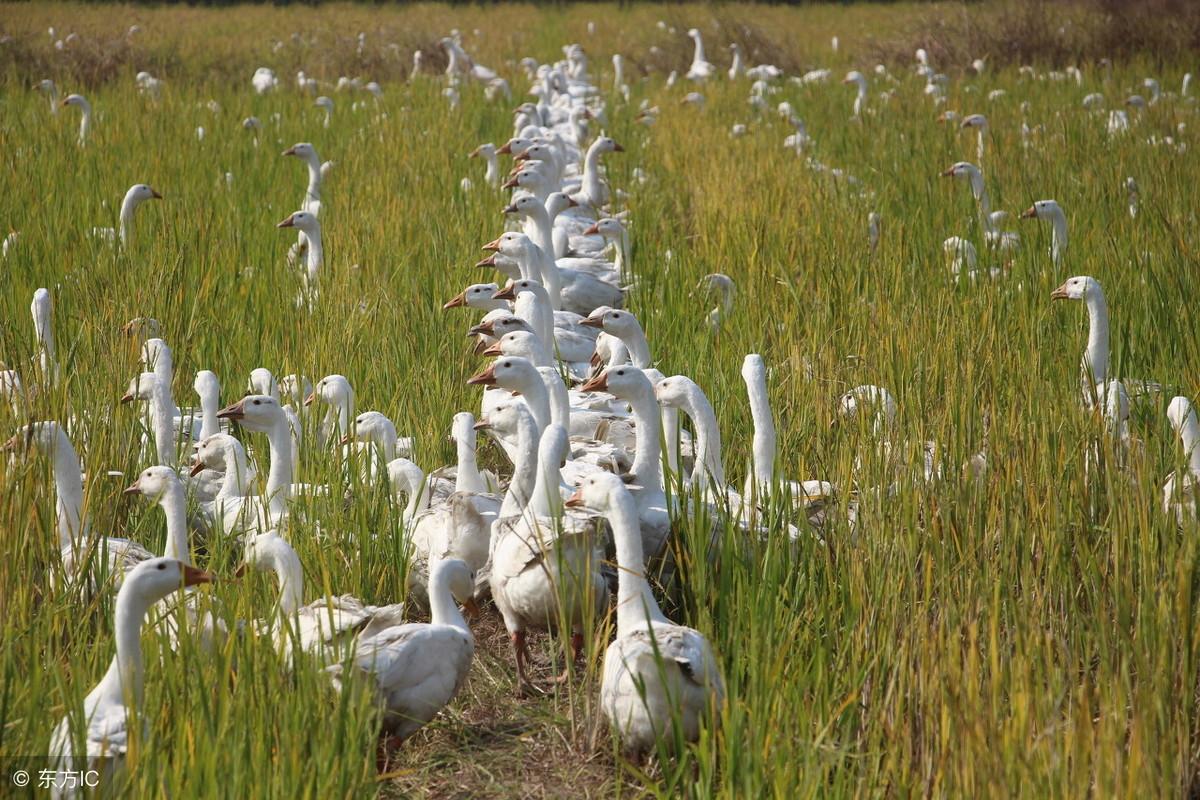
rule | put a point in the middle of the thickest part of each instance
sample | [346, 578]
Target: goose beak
[312, 398]
[507, 293]
[493, 245]
[511, 208]
[592, 230]
[291, 151]
[287, 223]
[482, 425]
[345, 440]
[1060, 293]
[490, 261]
[596, 384]
[154, 193]
[617, 148]
[965, 124]
[235, 411]
[474, 153]
[595, 360]
[511, 183]
[1029, 213]
[482, 329]
[133, 488]
[196, 469]
[64, 104]
[575, 500]
[506, 148]
[593, 322]
[485, 378]
[571, 202]
[948, 173]
[494, 350]
[127, 398]
[471, 609]
[523, 157]
[458, 300]
[194, 577]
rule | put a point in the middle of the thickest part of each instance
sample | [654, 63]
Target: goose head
[857, 78]
[673, 391]
[332, 389]
[625, 383]
[609, 228]
[154, 482]
[324, 103]
[206, 384]
[615, 321]
[477, 295]
[142, 328]
[513, 373]
[262, 381]
[558, 202]
[1043, 209]
[516, 343]
[77, 100]
[301, 219]
[140, 193]
[525, 206]
[487, 150]
[295, 387]
[693, 33]
[963, 170]
[518, 144]
[862, 398]
[157, 578]
[140, 388]
[606, 144]
[259, 413]
[210, 452]
[538, 152]
[598, 492]
[528, 177]
[43, 436]
[371, 426]
[263, 551]
[525, 285]
[498, 326]
[457, 576]
[512, 244]
[1080, 287]
[505, 419]
[302, 150]
[977, 121]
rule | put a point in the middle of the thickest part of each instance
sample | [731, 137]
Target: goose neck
[279, 478]
[124, 679]
[68, 484]
[764, 429]
[708, 466]
[286, 565]
[174, 506]
[1096, 356]
[635, 600]
[647, 459]
[442, 608]
[520, 489]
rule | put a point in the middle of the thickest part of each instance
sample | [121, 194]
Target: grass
[1032, 634]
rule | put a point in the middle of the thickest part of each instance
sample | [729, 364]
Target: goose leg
[525, 688]
[383, 754]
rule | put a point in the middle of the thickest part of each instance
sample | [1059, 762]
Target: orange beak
[617, 148]
[483, 425]
[506, 148]
[948, 173]
[511, 208]
[193, 576]
[596, 384]
[490, 261]
[479, 347]
[593, 322]
[1029, 213]
[196, 469]
[494, 350]
[575, 500]
[511, 183]
[1060, 293]
[312, 398]
[235, 411]
[133, 488]
[592, 230]
[291, 151]
[509, 292]
[485, 378]
[482, 329]
[154, 193]
[127, 397]
[287, 223]
[493, 245]
[457, 301]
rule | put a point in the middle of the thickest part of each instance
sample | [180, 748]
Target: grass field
[1032, 633]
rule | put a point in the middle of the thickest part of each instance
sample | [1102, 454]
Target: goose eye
[258, 402]
[162, 566]
[508, 363]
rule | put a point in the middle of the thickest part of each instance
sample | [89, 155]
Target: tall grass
[1030, 634]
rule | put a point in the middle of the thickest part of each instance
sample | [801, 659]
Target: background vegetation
[1034, 633]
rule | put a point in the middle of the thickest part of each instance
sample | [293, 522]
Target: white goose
[105, 725]
[314, 256]
[416, 669]
[488, 153]
[1179, 492]
[262, 414]
[107, 558]
[656, 674]
[1052, 211]
[330, 627]
[137, 194]
[700, 69]
[85, 112]
[545, 566]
